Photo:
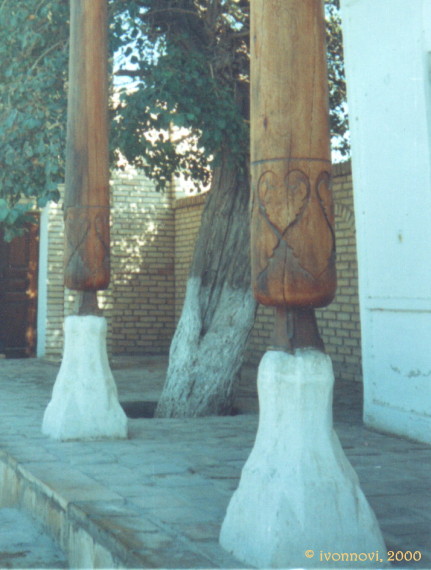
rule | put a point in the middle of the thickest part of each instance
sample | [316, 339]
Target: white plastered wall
[42, 287]
[387, 47]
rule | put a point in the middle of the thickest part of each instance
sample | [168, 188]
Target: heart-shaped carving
[101, 228]
[297, 185]
[324, 193]
[313, 242]
[77, 227]
[283, 200]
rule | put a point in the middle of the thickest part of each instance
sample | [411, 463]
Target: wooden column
[86, 204]
[298, 494]
[292, 231]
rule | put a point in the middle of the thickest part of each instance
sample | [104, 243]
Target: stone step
[25, 544]
[93, 527]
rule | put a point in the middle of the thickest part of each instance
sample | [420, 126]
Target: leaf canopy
[33, 69]
[179, 95]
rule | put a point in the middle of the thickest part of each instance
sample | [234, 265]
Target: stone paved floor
[24, 544]
[169, 484]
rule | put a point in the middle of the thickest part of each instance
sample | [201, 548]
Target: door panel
[18, 294]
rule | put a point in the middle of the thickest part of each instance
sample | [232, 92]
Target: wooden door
[18, 294]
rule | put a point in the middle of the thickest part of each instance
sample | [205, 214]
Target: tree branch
[241, 34]
[129, 73]
[170, 11]
[45, 53]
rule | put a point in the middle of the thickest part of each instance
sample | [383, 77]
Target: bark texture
[219, 309]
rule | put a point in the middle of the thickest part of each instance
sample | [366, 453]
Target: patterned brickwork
[55, 290]
[141, 320]
[339, 323]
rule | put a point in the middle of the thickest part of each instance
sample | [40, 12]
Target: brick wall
[141, 320]
[338, 323]
[153, 239]
[55, 290]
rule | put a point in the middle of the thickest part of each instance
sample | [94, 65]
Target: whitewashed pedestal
[298, 493]
[84, 402]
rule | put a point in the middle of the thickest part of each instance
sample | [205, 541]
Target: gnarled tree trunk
[219, 309]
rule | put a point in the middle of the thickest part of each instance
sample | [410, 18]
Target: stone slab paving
[163, 492]
[24, 544]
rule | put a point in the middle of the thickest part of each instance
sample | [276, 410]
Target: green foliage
[198, 78]
[33, 66]
[337, 83]
[184, 105]
[193, 89]
[13, 220]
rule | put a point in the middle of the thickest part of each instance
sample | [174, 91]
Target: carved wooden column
[297, 494]
[292, 229]
[86, 203]
[84, 402]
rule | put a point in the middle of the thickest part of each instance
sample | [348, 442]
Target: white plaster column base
[298, 492]
[84, 402]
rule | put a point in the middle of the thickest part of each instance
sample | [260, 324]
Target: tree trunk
[219, 309]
